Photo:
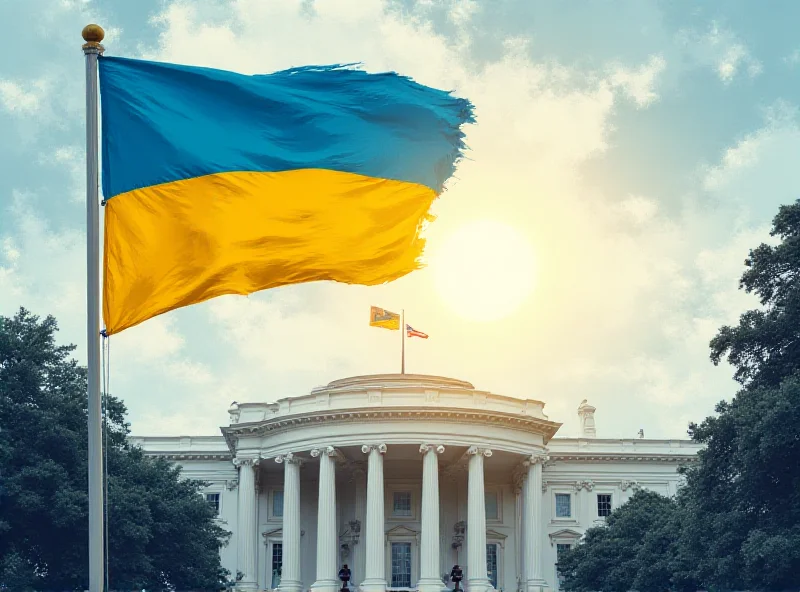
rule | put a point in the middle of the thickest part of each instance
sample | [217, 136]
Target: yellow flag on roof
[379, 317]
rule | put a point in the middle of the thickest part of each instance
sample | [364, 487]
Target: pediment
[401, 530]
[277, 533]
[565, 534]
[493, 534]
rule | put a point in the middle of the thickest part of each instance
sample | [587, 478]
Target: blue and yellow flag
[220, 183]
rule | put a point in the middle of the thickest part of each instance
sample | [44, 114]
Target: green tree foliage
[744, 502]
[637, 549]
[161, 532]
[736, 523]
[764, 348]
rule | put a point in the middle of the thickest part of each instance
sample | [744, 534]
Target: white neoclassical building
[404, 476]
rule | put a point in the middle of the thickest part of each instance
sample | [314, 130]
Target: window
[277, 564]
[563, 505]
[401, 564]
[492, 510]
[491, 563]
[402, 503]
[277, 503]
[603, 504]
[212, 499]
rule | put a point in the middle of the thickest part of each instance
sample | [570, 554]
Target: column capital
[367, 448]
[327, 450]
[536, 459]
[477, 450]
[245, 461]
[437, 448]
[289, 457]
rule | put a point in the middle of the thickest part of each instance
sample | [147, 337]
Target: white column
[290, 569]
[375, 540]
[533, 524]
[327, 540]
[477, 574]
[429, 573]
[358, 554]
[247, 527]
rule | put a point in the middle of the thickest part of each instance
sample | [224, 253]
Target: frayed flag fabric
[222, 183]
[411, 332]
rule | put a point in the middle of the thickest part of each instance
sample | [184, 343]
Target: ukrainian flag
[220, 183]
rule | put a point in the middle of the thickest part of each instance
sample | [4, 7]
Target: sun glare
[484, 271]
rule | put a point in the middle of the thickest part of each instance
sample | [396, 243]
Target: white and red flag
[412, 332]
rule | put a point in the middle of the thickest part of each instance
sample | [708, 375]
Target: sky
[629, 152]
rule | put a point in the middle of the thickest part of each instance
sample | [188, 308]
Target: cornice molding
[280, 424]
[191, 455]
[620, 457]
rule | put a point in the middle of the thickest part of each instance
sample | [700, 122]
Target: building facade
[401, 477]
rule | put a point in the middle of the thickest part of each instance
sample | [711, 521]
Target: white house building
[404, 476]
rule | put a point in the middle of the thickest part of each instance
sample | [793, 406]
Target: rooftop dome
[396, 380]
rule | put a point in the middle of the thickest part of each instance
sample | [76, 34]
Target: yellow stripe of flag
[379, 317]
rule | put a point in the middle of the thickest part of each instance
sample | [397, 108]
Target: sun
[484, 271]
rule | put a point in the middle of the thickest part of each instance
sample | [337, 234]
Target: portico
[376, 458]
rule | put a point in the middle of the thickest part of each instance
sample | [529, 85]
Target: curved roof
[391, 401]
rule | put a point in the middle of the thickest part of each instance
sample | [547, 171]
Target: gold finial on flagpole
[93, 35]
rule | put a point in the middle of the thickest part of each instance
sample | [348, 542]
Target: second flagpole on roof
[403, 341]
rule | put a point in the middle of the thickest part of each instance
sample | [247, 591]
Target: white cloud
[23, 99]
[639, 84]
[764, 158]
[40, 267]
[638, 209]
[721, 49]
[537, 123]
[627, 293]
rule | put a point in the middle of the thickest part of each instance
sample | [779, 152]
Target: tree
[744, 508]
[643, 538]
[162, 534]
[736, 523]
[765, 347]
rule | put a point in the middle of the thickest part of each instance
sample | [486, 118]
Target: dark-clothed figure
[344, 575]
[456, 575]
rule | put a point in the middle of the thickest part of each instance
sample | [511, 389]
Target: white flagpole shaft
[93, 34]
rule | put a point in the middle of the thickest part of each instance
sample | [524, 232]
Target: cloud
[793, 58]
[38, 267]
[721, 49]
[619, 275]
[627, 294]
[759, 160]
[23, 99]
[639, 84]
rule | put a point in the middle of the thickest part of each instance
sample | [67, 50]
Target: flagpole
[403, 347]
[93, 35]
